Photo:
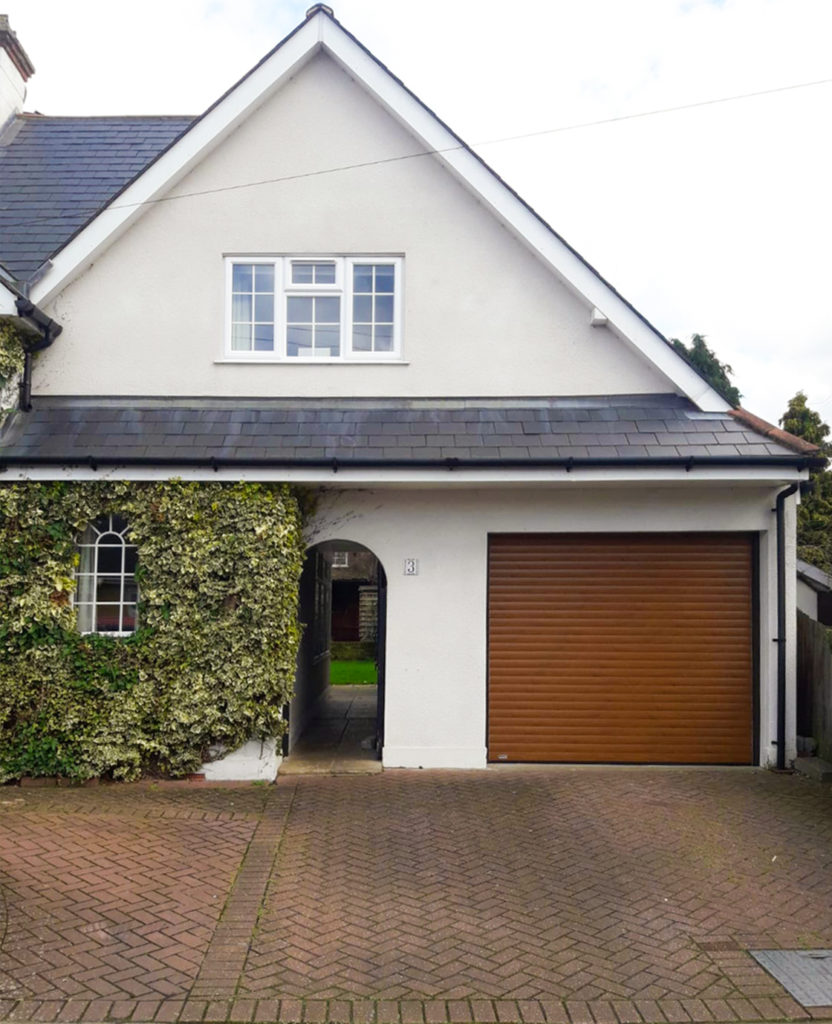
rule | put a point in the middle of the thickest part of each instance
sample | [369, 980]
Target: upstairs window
[309, 309]
[106, 594]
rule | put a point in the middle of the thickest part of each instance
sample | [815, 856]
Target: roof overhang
[321, 32]
[344, 474]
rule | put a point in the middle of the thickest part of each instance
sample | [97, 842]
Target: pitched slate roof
[394, 431]
[58, 172]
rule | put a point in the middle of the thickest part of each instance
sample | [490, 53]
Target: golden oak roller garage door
[620, 647]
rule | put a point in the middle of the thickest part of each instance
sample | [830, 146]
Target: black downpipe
[48, 330]
[781, 624]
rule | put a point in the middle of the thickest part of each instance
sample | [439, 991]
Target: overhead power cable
[461, 146]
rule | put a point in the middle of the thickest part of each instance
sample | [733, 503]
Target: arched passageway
[336, 717]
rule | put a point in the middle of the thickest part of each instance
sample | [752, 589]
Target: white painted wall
[482, 315]
[436, 629]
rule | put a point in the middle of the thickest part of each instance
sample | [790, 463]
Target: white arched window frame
[106, 594]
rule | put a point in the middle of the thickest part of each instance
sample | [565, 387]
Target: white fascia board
[174, 164]
[345, 477]
[516, 216]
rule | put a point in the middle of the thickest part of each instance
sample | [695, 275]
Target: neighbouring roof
[57, 172]
[819, 580]
[420, 431]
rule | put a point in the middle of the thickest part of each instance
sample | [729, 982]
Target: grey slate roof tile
[385, 430]
[57, 172]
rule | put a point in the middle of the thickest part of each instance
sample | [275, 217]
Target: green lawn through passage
[351, 673]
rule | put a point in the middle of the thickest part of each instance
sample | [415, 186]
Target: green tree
[704, 359]
[814, 517]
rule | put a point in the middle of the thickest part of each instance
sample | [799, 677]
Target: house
[585, 553]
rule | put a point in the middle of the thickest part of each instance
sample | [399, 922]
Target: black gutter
[688, 463]
[780, 639]
[48, 330]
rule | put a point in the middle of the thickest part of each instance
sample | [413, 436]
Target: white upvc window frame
[91, 539]
[284, 288]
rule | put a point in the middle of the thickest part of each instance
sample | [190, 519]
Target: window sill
[259, 361]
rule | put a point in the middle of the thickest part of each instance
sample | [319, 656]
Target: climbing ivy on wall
[11, 365]
[213, 659]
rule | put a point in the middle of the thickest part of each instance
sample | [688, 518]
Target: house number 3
[411, 566]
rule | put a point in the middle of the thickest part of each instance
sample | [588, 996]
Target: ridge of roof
[761, 426]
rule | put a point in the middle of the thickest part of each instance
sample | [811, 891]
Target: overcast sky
[716, 220]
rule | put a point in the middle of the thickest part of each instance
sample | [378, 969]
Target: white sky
[716, 220]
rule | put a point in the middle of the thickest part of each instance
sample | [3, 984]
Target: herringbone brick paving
[572, 896]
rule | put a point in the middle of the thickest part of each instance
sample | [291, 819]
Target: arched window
[106, 594]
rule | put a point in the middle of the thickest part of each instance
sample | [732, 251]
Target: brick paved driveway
[590, 896]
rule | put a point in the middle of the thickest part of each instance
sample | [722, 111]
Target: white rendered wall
[436, 627]
[482, 315]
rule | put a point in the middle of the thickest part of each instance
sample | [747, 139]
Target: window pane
[384, 309]
[128, 618]
[362, 338]
[241, 337]
[299, 341]
[118, 524]
[327, 341]
[385, 277]
[362, 309]
[384, 338]
[327, 309]
[324, 273]
[299, 310]
[241, 277]
[264, 308]
[108, 589]
[264, 277]
[362, 278]
[85, 617]
[131, 591]
[241, 308]
[107, 618]
[302, 273]
[110, 558]
[263, 338]
[130, 559]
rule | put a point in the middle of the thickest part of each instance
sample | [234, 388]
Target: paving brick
[411, 1011]
[267, 1011]
[97, 1010]
[387, 1011]
[626, 1011]
[291, 1011]
[169, 1010]
[242, 1010]
[193, 1011]
[219, 1010]
[554, 1011]
[483, 1011]
[459, 1011]
[579, 1012]
[314, 1011]
[339, 1011]
[614, 891]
